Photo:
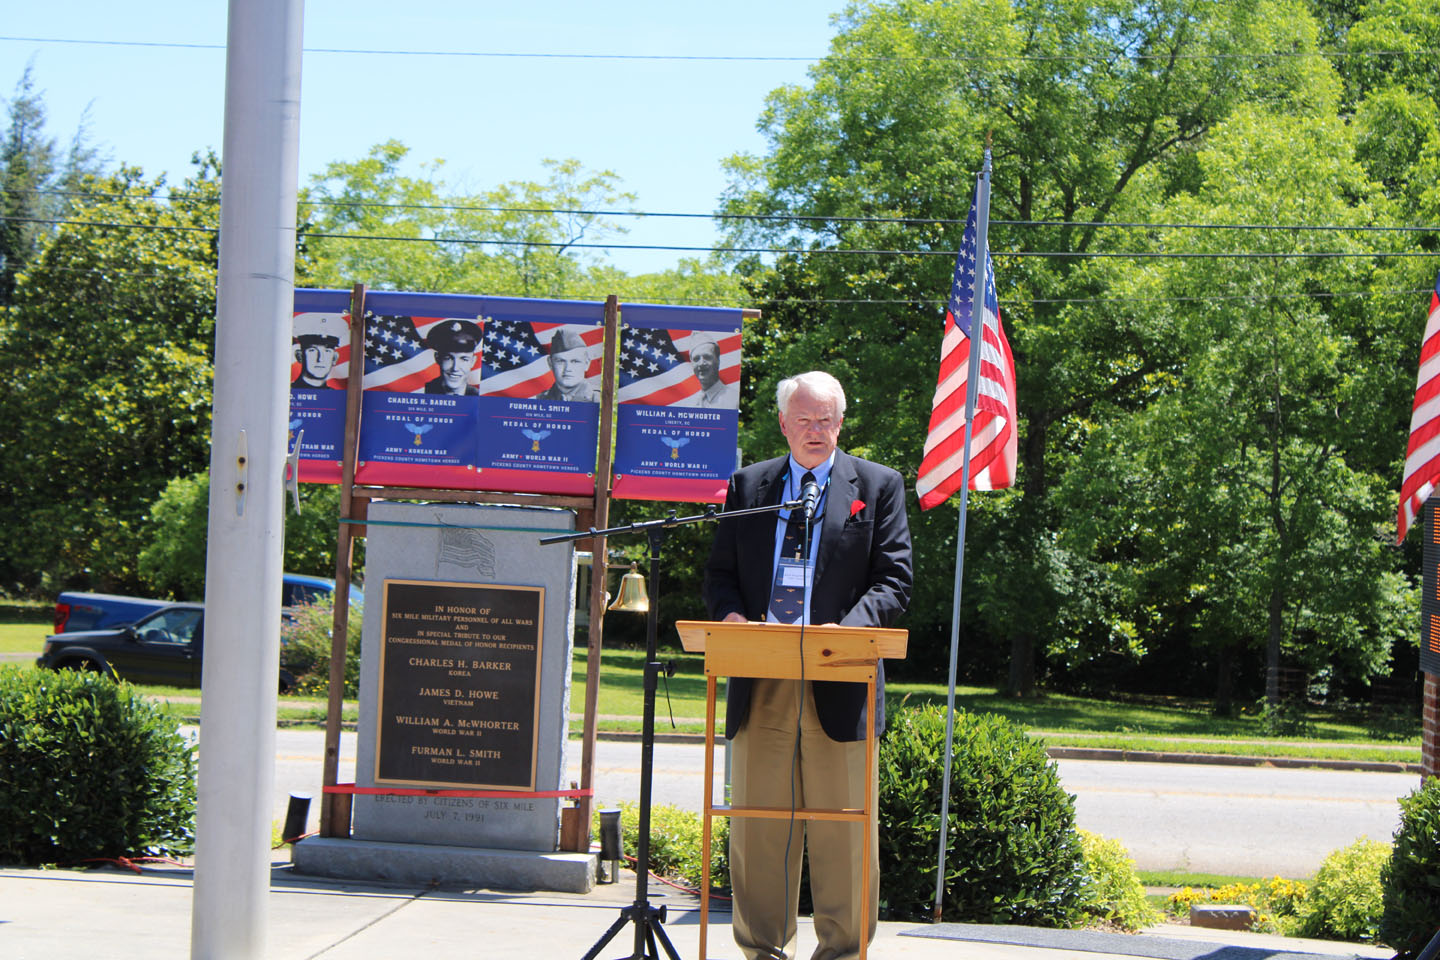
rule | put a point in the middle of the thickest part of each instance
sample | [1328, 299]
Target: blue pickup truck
[150, 641]
[99, 611]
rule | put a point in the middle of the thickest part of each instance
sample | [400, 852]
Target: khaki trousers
[826, 774]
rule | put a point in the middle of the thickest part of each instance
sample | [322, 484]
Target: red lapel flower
[856, 506]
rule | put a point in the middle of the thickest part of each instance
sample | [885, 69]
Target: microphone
[809, 496]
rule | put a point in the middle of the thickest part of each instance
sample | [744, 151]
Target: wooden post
[335, 807]
[597, 571]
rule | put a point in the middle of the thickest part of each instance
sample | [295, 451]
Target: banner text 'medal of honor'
[677, 418]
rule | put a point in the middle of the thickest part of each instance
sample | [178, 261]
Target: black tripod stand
[646, 916]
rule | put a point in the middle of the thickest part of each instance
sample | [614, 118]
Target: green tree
[1393, 88]
[691, 282]
[1096, 111]
[172, 562]
[108, 346]
[1247, 491]
[33, 176]
[371, 198]
[539, 224]
[415, 233]
[27, 164]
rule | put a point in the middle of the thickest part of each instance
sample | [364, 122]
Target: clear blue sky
[663, 126]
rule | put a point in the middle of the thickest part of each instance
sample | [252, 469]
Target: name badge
[795, 573]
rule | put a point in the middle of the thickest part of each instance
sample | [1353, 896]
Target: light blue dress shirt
[793, 473]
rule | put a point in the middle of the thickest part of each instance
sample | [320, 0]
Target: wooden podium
[774, 650]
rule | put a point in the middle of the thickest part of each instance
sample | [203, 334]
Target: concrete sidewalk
[115, 914]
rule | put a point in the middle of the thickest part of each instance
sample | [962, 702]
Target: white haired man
[859, 575]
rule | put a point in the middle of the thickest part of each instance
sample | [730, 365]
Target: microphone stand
[646, 916]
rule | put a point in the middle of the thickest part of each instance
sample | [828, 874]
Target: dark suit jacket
[862, 572]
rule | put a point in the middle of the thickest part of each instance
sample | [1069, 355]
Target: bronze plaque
[459, 685]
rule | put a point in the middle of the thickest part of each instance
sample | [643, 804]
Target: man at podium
[856, 572]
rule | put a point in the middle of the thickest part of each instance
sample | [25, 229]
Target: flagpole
[972, 382]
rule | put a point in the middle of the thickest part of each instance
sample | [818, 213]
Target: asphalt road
[1253, 821]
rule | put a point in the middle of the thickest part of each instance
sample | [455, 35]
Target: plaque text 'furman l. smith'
[459, 685]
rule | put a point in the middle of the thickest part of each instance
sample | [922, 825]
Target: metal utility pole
[247, 500]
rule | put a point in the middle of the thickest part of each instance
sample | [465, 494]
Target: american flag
[515, 356]
[466, 548]
[396, 358]
[655, 364]
[992, 441]
[1422, 455]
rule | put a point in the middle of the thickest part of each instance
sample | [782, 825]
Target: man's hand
[734, 617]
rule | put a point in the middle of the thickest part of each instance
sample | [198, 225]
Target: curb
[1229, 760]
[1054, 753]
[624, 736]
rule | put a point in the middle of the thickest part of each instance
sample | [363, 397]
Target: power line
[53, 221]
[91, 271]
[819, 251]
[901, 301]
[764, 217]
[717, 58]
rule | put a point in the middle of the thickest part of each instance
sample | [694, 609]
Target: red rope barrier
[350, 788]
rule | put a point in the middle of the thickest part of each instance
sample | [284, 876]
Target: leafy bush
[1012, 855]
[305, 649]
[675, 843]
[1116, 894]
[172, 562]
[1410, 881]
[1277, 901]
[1288, 718]
[89, 769]
[1345, 899]
[1393, 722]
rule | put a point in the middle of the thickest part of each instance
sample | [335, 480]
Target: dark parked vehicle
[163, 648]
[298, 589]
[77, 611]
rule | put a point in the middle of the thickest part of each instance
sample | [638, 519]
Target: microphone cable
[807, 582]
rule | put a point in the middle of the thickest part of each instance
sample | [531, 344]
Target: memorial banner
[677, 420]
[319, 373]
[480, 393]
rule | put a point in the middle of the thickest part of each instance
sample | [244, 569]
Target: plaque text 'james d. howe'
[459, 685]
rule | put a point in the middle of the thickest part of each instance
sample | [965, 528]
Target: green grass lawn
[23, 637]
[297, 712]
[1151, 724]
[1187, 878]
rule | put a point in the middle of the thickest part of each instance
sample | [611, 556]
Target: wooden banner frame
[592, 512]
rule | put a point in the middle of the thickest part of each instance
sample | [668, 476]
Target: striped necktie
[787, 603]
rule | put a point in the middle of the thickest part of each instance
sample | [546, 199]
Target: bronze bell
[633, 596]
